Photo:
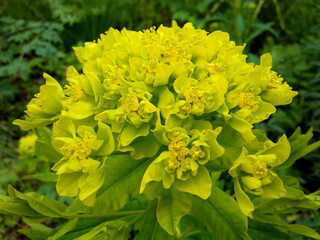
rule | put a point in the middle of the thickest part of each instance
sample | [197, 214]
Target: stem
[237, 5]
[141, 213]
[215, 8]
[110, 215]
[137, 219]
[281, 21]
[258, 9]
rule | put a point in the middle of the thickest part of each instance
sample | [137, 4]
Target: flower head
[179, 96]
[254, 172]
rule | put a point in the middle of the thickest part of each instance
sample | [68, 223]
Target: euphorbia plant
[153, 132]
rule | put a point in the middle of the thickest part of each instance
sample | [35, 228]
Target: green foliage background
[37, 37]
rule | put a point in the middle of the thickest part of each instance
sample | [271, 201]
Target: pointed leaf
[222, 216]
[40, 203]
[10, 205]
[44, 177]
[299, 147]
[69, 226]
[296, 228]
[112, 228]
[151, 229]
[122, 182]
[303, 230]
[264, 231]
[37, 231]
[171, 208]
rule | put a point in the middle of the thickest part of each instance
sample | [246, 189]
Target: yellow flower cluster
[181, 158]
[180, 96]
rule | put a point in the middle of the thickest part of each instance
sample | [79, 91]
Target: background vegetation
[37, 37]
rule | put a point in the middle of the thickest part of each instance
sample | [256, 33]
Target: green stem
[214, 8]
[237, 5]
[141, 213]
[279, 14]
[258, 9]
[137, 219]
[110, 215]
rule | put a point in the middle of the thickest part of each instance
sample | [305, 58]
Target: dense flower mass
[182, 97]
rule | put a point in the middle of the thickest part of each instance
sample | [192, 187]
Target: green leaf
[294, 200]
[83, 226]
[222, 216]
[151, 229]
[44, 177]
[7, 176]
[37, 231]
[40, 203]
[303, 230]
[114, 230]
[69, 226]
[171, 208]
[296, 228]
[11, 205]
[264, 231]
[258, 29]
[122, 182]
[299, 147]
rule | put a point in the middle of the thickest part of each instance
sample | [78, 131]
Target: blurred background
[37, 36]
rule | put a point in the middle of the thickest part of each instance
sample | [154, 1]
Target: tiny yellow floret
[274, 80]
[260, 170]
[74, 92]
[246, 100]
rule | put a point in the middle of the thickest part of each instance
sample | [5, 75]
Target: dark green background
[37, 36]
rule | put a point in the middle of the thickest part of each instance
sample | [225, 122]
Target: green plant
[26, 49]
[156, 138]
[27, 46]
[29, 170]
[86, 19]
[300, 64]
